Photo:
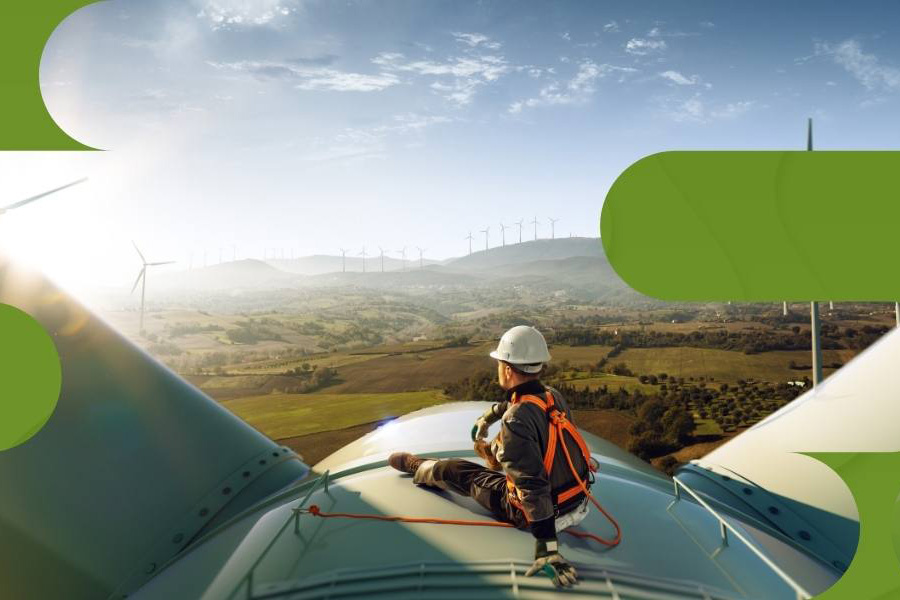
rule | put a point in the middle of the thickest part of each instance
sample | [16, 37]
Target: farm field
[725, 365]
[281, 416]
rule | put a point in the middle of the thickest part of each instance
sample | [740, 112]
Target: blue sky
[314, 125]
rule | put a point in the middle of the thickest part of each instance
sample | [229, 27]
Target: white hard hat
[523, 347]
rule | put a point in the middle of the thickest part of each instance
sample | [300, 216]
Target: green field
[579, 355]
[723, 365]
[287, 415]
[706, 427]
[412, 372]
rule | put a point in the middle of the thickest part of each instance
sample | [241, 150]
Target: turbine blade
[168, 262]
[33, 198]
[138, 280]
[143, 260]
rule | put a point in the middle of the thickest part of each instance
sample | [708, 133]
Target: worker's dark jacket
[520, 448]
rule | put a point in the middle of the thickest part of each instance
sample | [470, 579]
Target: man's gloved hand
[548, 559]
[480, 429]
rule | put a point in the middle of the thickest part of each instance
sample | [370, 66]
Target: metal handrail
[725, 526]
[294, 518]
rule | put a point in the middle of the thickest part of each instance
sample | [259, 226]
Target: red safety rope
[558, 424]
[317, 512]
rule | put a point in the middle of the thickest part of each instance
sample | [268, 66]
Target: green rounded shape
[30, 377]
[760, 226]
[895, 530]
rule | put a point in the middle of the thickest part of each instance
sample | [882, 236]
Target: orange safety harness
[558, 424]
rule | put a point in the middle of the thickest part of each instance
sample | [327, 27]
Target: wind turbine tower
[469, 237]
[486, 232]
[519, 223]
[421, 253]
[815, 323]
[535, 223]
[382, 258]
[343, 261]
[142, 279]
[402, 253]
[553, 228]
[503, 229]
[364, 255]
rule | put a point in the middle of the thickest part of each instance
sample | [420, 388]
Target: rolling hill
[526, 252]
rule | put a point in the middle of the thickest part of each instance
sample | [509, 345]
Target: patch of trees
[182, 329]
[458, 341]
[164, 349]
[251, 332]
[481, 386]
[661, 427]
[749, 342]
[311, 379]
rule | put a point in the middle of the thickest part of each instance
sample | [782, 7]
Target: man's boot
[406, 462]
[422, 469]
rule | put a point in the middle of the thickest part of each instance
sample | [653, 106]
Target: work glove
[548, 560]
[480, 428]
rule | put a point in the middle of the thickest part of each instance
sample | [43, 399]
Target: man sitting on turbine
[538, 488]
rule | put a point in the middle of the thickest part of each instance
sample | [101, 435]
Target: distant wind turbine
[142, 279]
[535, 223]
[553, 228]
[469, 237]
[519, 223]
[364, 255]
[421, 253]
[486, 232]
[402, 253]
[20, 203]
[343, 261]
[382, 258]
[503, 229]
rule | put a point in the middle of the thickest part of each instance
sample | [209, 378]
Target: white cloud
[356, 143]
[655, 32]
[576, 91]
[866, 68]
[565, 35]
[312, 77]
[707, 24]
[732, 110]
[222, 14]
[679, 79]
[642, 47]
[466, 73]
[611, 27]
[696, 109]
[474, 40]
